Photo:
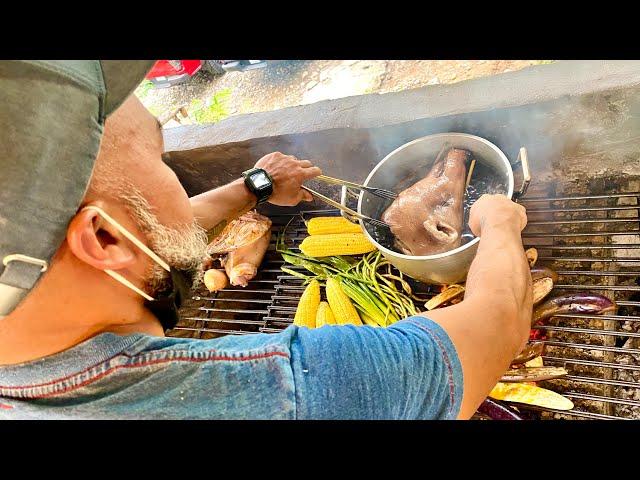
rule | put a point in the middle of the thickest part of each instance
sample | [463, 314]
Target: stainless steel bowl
[418, 156]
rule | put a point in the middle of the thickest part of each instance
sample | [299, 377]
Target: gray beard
[183, 247]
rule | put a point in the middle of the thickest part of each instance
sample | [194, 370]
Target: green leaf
[143, 89]
[213, 110]
[340, 262]
[294, 273]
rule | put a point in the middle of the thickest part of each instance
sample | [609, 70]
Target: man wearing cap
[99, 244]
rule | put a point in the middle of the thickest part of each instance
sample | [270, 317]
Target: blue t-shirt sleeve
[410, 370]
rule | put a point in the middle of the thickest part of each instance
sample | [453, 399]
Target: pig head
[427, 217]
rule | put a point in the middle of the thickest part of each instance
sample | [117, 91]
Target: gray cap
[51, 120]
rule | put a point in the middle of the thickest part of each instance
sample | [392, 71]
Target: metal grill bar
[599, 398]
[582, 222]
[226, 320]
[579, 209]
[590, 362]
[577, 234]
[586, 346]
[620, 318]
[625, 288]
[242, 290]
[270, 330]
[624, 303]
[571, 413]
[211, 330]
[586, 247]
[231, 310]
[589, 273]
[587, 331]
[580, 197]
[600, 381]
[281, 308]
[591, 259]
[239, 300]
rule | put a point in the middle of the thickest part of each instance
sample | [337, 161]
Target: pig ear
[440, 231]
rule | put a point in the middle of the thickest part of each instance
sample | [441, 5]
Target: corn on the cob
[329, 225]
[368, 320]
[341, 306]
[308, 306]
[324, 315]
[336, 244]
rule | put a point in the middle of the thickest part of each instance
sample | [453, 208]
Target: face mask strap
[127, 283]
[116, 276]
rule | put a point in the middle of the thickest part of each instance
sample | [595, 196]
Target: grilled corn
[329, 225]
[341, 306]
[336, 244]
[308, 306]
[324, 315]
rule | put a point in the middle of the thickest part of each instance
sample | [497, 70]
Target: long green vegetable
[380, 297]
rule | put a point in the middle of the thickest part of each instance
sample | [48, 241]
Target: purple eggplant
[497, 411]
[574, 303]
[529, 352]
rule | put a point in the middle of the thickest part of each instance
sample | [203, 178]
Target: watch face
[260, 180]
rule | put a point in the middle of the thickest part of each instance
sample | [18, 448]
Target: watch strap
[262, 194]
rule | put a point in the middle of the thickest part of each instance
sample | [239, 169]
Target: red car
[166, 73]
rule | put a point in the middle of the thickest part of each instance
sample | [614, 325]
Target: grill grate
[591, 241]
[269, 302]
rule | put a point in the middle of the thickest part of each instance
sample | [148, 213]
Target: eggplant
[542, 281]
[447, 295]
[531, 395]
[497, 411]
[529, 352]
[480, 416]
[538, 273]
[533, 374]
[534, 362]
[574, 303]
[541, 288]
[532, 256]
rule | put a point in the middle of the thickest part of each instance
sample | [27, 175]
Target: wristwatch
[259, 182]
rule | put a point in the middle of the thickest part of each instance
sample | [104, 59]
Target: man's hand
[494, 211]
[288, 175]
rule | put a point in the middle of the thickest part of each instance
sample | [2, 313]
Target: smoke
[566, 138]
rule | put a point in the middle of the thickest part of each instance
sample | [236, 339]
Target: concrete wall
[575, 118]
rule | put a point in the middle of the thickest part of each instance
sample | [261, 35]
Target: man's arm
[407, 371]
[491, 325]
[224, 204]
[441, 364]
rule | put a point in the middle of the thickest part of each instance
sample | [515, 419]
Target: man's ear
[97, 243]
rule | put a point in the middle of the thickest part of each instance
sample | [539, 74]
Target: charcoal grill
[591, 240]
[579, 122]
